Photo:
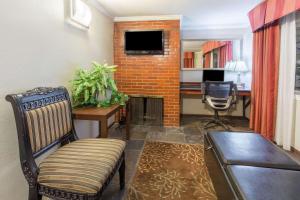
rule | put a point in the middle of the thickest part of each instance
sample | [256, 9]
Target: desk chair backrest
[218, 89]
[220, 95]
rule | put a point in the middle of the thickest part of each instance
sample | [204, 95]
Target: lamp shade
[240, 66]
[227, 65]
[230, 65]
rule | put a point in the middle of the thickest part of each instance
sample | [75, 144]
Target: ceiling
[196, 14]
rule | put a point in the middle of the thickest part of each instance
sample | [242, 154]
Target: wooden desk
[102, 115]
[195, 89]
[246, 93]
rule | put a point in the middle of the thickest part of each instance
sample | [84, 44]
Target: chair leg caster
[208, 124]
[214, 123]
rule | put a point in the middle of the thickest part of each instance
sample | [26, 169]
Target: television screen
[144, 42]
[213, 75]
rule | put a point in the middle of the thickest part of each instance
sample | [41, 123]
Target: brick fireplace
[153, 75]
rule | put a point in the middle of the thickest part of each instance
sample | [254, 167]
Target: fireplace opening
[146, 110]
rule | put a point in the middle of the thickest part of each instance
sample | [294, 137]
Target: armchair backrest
[43, 119]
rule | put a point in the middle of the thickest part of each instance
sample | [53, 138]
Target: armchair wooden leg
[34, 194]
[122, 174]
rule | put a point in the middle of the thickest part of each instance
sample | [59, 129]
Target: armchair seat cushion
[82, 166]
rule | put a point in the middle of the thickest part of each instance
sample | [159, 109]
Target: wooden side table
[102, 115]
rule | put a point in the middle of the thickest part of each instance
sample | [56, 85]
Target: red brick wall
[151, 74]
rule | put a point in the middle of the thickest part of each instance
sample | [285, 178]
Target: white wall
[247, 56]
[37, 48]
[191, 75]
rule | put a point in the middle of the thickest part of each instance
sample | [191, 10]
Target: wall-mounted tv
[144, 42]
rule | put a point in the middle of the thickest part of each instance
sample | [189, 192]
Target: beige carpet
[171, 171]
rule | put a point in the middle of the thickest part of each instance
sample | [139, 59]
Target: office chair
[220, 96]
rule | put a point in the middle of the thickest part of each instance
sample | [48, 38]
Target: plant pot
[104, 98]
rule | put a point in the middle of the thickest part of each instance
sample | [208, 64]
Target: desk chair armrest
[219, 103]
[234, 94]
[203, 93]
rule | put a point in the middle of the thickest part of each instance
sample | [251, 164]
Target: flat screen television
[144, 42]
[213, 75]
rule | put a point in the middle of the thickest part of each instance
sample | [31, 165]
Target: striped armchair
[78, 169]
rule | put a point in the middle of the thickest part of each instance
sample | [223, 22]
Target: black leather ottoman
[223, 149]
[258, 183]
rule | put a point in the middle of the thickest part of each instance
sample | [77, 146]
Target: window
[80, 14]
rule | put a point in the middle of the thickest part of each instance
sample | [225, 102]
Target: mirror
[209, 54]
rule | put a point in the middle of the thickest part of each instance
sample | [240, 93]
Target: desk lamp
[240, 67]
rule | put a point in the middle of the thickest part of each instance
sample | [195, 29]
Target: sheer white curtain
[286, 83]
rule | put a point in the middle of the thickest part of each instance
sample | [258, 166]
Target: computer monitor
[213, 75]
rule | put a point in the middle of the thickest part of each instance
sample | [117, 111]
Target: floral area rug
[171, 171]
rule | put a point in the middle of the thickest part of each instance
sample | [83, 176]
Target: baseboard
[199, 115]
[295, 150]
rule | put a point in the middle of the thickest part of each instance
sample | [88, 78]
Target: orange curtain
[225, 54]
[266, 49]
[271, 10]
[229, 51]
[207, 58]
[211, 45]
[222, 57]
[189, 59]
[257, 16]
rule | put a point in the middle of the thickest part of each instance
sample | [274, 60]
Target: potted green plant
[96, 87]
